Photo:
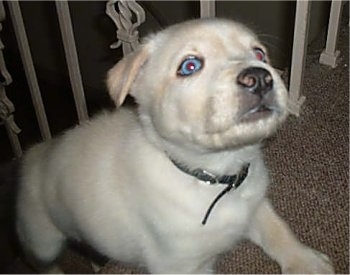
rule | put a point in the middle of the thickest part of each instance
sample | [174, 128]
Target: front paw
[308, 261]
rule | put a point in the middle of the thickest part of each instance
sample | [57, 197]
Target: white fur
[111, 183]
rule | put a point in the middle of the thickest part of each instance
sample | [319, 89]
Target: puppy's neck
[221, 162]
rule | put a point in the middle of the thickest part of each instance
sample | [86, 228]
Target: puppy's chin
[251, 129]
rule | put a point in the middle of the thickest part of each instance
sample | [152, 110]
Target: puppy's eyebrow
[191, 51]
[261, 46]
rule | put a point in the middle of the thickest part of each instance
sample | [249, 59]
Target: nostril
[247, 80]
[256, 80]
[267, 80]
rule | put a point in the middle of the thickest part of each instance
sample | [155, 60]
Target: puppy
[182, 179]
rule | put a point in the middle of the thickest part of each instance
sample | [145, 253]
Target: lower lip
[257, 115]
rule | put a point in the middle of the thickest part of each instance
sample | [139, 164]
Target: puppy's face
[204, 84]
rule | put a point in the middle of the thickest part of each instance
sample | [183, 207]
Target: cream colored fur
[111, 183]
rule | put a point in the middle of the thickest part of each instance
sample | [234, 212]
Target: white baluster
[301, 31]
[24, 49]
[207, 8]
[330, 55]
[72, 59]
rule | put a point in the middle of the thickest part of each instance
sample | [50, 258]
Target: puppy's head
[204, 84]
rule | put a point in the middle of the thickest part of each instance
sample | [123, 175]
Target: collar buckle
[231, 181]
[212, 179]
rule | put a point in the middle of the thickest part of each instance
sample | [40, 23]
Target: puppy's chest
[201, 211]
[182, 228]
[180, 203]
[221, 208]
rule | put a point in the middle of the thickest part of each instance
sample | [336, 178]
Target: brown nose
[255, 80]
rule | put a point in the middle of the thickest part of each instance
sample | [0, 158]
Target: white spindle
[207, 8]
[72, 58]
[301, 30]
[23, 45]
[330, 55]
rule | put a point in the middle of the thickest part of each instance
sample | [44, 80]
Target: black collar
[231, 181]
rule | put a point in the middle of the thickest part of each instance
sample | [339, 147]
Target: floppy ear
[122, 75]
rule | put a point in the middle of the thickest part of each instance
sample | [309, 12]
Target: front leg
[270, 232]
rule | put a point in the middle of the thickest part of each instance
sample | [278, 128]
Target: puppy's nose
[256, 80]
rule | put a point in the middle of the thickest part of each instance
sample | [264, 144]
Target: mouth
[258, 112]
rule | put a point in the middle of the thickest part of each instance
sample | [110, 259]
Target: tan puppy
[181, 180]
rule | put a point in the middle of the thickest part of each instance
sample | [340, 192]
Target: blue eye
[189, 66]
